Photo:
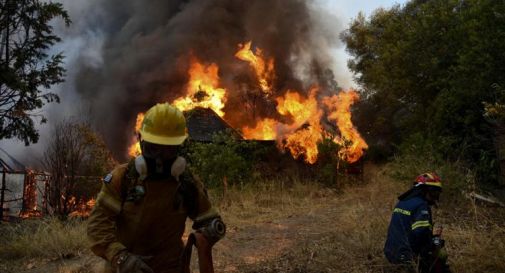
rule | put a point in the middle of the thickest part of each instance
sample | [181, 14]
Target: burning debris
[82, 208]
[36, 186]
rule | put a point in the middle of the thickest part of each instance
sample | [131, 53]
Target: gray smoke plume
[133, 54]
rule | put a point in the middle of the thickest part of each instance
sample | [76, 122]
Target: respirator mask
[159, 158]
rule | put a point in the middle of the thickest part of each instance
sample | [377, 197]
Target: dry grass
[267, 200]
[48, 238]
[354, 238]
[290, 225]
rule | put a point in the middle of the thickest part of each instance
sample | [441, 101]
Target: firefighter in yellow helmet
[141, 210]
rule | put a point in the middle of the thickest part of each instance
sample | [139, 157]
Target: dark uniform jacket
[410, 230]
[152, 226]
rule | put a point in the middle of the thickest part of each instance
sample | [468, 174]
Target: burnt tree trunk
[2, 196]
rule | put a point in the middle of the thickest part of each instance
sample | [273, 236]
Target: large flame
[203, 89]
[264, 69]
[305, 132]
[351, 141]
[299, 130]
[264, 130]
[302, 134]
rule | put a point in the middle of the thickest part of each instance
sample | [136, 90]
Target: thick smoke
[145, 47]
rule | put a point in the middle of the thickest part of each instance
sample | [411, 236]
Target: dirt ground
[321, 230]
[245, 248]
[251, 247]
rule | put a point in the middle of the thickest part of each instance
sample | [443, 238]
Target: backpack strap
[129, 178]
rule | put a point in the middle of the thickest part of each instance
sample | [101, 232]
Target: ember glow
[82, 208]
[264, 69]
[30, 195]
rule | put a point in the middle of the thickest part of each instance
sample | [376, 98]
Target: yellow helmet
[163, 124]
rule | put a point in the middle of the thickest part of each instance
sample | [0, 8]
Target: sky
[345, 10]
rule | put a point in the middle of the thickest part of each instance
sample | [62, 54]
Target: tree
[74, 155]
[26, 70]
[425, 68]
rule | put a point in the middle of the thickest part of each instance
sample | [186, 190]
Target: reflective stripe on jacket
[410, 230]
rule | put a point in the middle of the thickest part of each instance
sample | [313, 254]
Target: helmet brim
[434, 184]
[162, 140]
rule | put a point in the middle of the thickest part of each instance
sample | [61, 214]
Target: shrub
[224, 158]
[419, 155]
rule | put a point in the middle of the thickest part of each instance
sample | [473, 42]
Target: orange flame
[134, 149]
[264, 130]
[302, 135]
[299, 131]
[264, 69]
[30, 196]
[306, 115]
[203, 89]
[304, 142]
[352, 143]
[82, 208]
[300, 109]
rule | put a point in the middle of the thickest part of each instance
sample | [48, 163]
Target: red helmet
[428, 179]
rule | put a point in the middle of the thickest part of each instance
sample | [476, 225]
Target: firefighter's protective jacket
[152, 226]
[410, 230]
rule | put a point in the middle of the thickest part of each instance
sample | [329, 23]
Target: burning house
[264, 68]
[298, 124]
[203, 123]
[23, 192]
[26, 193]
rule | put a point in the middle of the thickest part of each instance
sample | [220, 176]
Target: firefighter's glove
[213, 230]
[131, 263]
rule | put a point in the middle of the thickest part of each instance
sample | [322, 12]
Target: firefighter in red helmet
[410, 240]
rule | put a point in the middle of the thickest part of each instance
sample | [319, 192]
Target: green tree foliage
[425, 69]
[225, 157]
[26, 70]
